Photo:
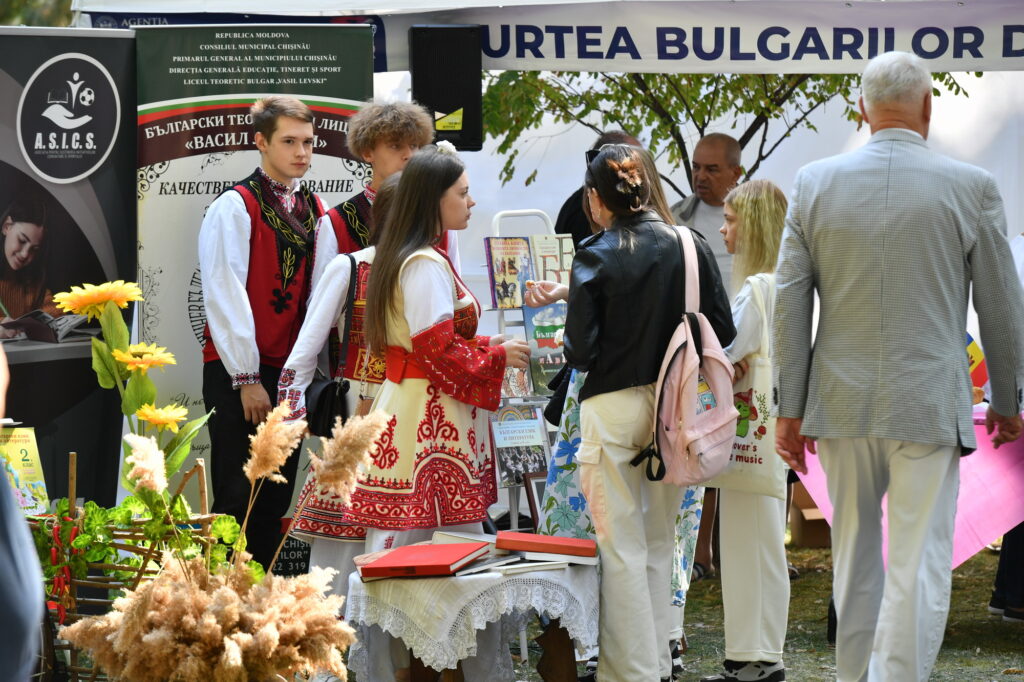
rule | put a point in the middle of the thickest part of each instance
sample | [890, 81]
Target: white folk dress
[432, 465]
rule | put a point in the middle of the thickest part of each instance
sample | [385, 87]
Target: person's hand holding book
[6, 333]
[517, 353]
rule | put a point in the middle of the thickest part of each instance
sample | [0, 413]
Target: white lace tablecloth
[438, 618]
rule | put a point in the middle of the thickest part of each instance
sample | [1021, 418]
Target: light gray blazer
[892, 236]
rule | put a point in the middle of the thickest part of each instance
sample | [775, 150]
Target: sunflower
[90, 299]
[144, 356]
[163, 417]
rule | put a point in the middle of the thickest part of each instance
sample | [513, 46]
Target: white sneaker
[749, 671]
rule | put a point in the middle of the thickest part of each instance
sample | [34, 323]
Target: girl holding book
[22, 268]
[570, 516]
[755, 577]
[626, 282]
[432, 467]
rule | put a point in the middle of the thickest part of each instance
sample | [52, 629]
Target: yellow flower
[163, 417]
[90, 299]
[144, 356]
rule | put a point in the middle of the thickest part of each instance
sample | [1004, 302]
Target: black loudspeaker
[447, 79]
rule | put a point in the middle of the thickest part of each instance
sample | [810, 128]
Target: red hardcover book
[417, 560]
[530, 542]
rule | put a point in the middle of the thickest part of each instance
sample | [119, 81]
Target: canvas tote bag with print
[754, 467]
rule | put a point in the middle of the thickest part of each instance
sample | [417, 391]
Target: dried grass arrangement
[192, 626]
[228, 624]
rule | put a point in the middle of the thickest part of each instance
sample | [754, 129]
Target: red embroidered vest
[351, 222]
[280, 254]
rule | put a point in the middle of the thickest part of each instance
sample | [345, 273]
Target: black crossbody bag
[325, 398]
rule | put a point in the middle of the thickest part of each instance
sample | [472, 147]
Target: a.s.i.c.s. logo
[68, 117]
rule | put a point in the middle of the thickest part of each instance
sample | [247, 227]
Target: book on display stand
[545, 327]
[509, 268]
[552, 257]
[519, 440]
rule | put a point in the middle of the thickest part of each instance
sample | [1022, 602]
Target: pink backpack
[695, 415]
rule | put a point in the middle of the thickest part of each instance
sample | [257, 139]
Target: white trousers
[386, 654]
[635, 523]
[891, 621]
[755, 576]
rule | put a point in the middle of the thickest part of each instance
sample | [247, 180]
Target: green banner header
[198, 62]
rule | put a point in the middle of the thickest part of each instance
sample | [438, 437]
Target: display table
[438, 618]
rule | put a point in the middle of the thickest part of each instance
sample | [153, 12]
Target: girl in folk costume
[22, 290]
[755, 577]
[432, 466]
[334, 543]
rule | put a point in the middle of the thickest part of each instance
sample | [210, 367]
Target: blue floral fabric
[564, 510]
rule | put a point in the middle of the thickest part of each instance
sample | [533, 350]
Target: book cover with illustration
[544, 328]
[519, 439]
[23, 469]
[516, 383]
[552, 257]
[509, 267]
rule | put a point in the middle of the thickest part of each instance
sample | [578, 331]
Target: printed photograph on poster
[44, 250]
[519, 438]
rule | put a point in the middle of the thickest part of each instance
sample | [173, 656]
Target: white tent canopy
[676, 36]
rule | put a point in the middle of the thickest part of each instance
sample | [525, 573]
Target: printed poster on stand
[67, 165]
[195, 140]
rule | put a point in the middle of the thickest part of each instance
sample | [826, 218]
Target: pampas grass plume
[345, 451]
[147, 460]
[270, 447]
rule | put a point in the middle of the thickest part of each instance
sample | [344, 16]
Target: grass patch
[976, 646]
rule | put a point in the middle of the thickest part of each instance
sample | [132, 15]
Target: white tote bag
[754, 466]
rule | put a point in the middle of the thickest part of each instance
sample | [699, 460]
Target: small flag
[976, 359]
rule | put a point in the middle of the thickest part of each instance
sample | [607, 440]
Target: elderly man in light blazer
[892, 236]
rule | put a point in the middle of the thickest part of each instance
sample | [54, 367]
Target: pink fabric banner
[990, 502]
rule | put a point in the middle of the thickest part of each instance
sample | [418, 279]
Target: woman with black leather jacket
[625, 300]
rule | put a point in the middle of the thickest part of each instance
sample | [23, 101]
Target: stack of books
[454, 554]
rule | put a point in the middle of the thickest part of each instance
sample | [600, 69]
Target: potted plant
[185, 609]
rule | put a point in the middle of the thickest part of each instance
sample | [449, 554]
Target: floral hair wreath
[446, 147]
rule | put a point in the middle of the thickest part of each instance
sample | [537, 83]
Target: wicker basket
[80, 669]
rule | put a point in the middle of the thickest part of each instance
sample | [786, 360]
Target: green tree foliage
[673, 111]
[35, 12]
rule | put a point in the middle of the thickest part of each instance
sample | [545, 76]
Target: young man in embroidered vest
[255, 257]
